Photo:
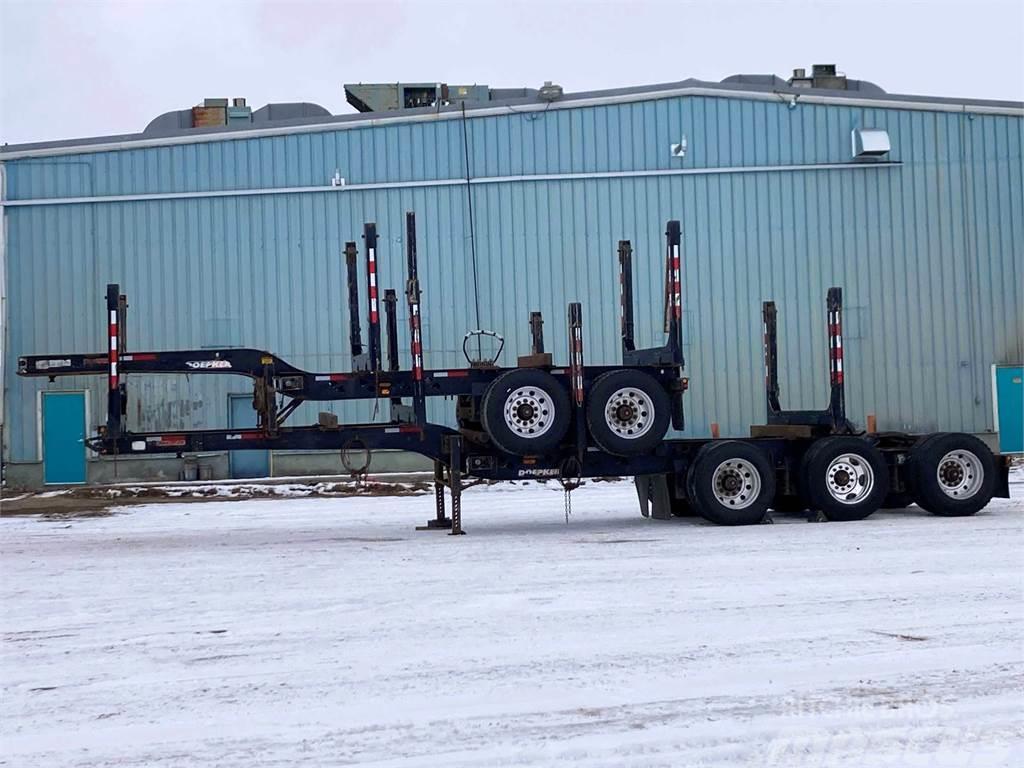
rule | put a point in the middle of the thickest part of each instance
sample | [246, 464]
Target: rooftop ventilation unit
[388, 97]
[822, 76]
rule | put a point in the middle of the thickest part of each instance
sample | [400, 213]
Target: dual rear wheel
[527, 412]
[845, 478]
[951, 474]
[948, 474]
[731, 482]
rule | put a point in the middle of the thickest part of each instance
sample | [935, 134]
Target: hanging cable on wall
[472, 226]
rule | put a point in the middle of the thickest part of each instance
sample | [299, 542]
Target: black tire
[682, 508]
[712, 479]
[644, 406]
[958, 459]
[679, 502]
[859, 485]
[898, 500]
[541, 417]
[789, 504]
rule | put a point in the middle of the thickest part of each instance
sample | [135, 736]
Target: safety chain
[569, 477]
[359, 473]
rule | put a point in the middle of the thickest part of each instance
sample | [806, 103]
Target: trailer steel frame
[279, 388]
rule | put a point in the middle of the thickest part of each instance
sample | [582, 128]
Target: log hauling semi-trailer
[543, 420]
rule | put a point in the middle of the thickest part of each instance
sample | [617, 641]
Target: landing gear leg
[440, 521]
[455, 481]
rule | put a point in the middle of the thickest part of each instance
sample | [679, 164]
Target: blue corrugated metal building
[234, 235]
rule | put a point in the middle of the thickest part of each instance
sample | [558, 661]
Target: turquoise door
[1009, 390]
[63, 437]
[245, 463]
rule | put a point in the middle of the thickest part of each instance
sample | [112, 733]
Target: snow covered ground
[328, 631]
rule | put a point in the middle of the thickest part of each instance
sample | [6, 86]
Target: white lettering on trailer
[45, 365]
[539, 472]
[204, 364]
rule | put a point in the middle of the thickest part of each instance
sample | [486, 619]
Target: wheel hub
[524, 412]
[849, 478]
[528, 411]
[960, 474]
[629, 413]
[736, 483]
[951, 473]
[624, 412]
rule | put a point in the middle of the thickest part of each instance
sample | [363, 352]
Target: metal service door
[63, 423]
[245, 463]
[1008, 386]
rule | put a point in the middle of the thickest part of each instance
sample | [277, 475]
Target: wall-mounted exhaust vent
[869, 143]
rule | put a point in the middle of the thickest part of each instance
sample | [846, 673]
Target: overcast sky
[82, 68]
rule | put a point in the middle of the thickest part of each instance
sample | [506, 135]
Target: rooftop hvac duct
[388, 97]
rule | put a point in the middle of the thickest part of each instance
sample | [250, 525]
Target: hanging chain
[570, 476]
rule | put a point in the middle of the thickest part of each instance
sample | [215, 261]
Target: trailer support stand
[440, 520]
[455, 481]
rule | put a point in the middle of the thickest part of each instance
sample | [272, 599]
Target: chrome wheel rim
[736, 483]
[629, 413]
[528, 412]
[849, 478]
[960, 474]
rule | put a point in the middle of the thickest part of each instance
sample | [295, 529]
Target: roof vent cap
[550, 91]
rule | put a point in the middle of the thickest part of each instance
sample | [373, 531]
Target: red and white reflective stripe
[372, 258]
[112, 354]
[417, 343]
[835, 331]
[577, 364]
[766, 381]
[677, 284]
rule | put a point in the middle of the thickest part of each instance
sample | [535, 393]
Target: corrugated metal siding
[929, 254]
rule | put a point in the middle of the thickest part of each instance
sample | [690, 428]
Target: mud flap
[1002, 486]
[653, 495]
